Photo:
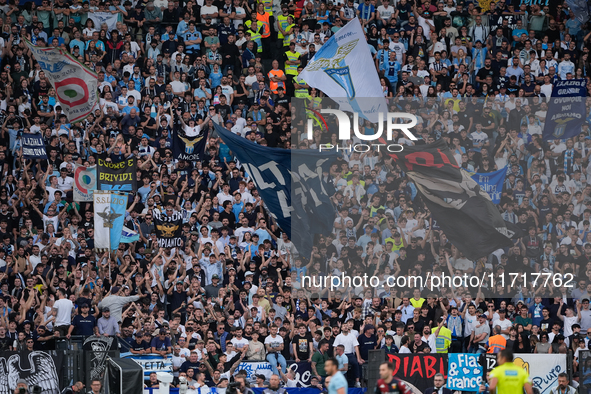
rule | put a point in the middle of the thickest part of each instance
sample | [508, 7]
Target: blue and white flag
[109, 215]
[33, 146]
[344, 70]
[492, 183]
[75, 85]
[566, 109]
[128, 236]
[464, 372]
[290, 183]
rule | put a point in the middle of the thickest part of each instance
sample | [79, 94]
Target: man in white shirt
[349, 341]
[505, 324]
[65, 183]
[569, 319]
[62, 310]
[240, 343]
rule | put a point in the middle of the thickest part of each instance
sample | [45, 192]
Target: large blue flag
[290, 183]
[566, 109]
[492, 183]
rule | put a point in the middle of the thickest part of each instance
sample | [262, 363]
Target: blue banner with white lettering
[290, 183]
[566, 109]
[33, 146]
[492, 183]
[464, 372]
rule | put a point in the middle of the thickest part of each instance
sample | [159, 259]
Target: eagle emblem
[190, 143]
[334, 62]
[108, 216]
[167, 230]
[41, 372]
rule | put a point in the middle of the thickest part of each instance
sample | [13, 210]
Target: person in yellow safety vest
[268, 6]
[442, 336]
[276, 77]
[255, 35]
[292, 60]
[282, 21]
[288, 31]
[300, 86]
[497, 342]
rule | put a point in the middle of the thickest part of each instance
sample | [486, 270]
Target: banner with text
[119, 176]
[168, 229]
[150, 362]
[418, 370]
[109, 215]
[84, 183]
[464, 372]
[33, 147]
[566, 109]
[189, 148]
[543, 369]
[492, 183]
[302, 370]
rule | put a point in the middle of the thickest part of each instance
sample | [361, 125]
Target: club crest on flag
[190, 143]
[352, 77]
[560, 127]
[108, 217]
[335, 67]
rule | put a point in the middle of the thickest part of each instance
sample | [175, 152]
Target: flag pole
[109, 247]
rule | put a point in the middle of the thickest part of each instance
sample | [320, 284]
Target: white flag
[103, 221]
[75, 85]
[344, 70]
[104, 17]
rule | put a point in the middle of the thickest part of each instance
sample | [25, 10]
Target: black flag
[464, 212]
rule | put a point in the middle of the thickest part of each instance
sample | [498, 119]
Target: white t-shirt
[207, 10]
[192, 131]
[274, 343]
[349, 341]
[504, 324]
[568, 325]
[239, 343]
[64, 312]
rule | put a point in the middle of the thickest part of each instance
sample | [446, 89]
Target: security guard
[300, 86]
[254, 27]
[292, 60]
[282, 22]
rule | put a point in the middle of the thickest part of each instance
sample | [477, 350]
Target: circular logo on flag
[85, 180]
[72, 91]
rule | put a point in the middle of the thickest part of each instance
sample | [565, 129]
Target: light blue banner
[464, 373]
[492, 183]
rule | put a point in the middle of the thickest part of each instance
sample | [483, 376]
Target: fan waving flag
[343, 69]
[75, 85]
[464, 212]
[290, 183]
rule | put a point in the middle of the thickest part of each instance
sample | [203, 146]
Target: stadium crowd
[477, 74]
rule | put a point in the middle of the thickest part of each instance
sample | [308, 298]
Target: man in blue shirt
[192, 39]
[366, 13]
[338, 382]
